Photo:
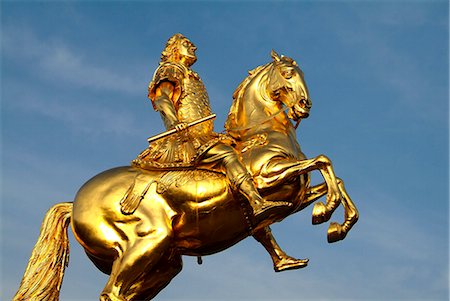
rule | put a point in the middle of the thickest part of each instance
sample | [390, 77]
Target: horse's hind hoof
[335, 233]
[319, 214]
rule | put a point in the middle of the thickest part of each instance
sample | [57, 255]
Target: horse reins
[243, 128]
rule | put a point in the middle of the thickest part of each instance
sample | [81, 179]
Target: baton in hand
[173, 131]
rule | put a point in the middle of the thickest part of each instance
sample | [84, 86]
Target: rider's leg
[281, 261]
[224, 157]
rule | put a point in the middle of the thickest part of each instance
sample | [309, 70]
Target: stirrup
[267, 205]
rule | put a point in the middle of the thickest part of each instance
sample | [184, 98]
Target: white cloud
[57, 61]
[89, 119]
[81, 116]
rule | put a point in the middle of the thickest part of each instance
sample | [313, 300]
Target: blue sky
[74, 79]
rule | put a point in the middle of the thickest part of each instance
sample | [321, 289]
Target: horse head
[286, 83]
[269, 90]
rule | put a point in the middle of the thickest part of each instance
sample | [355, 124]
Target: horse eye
[287, 74]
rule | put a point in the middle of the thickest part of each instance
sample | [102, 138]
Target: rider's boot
[257, 202]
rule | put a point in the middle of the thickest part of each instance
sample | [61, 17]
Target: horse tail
[44, 274]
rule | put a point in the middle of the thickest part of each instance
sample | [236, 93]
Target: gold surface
[135, 223]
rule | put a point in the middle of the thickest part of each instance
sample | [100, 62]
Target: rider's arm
[165, 98]
[164, 91]
[164, 103]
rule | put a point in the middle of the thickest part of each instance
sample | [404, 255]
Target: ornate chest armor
[194, 104]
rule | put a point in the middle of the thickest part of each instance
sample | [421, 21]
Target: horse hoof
[110, 297]
[319, 214]
[335, 233]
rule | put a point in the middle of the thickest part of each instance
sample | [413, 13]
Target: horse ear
[275, 56]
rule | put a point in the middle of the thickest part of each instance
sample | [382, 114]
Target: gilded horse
[135, 224]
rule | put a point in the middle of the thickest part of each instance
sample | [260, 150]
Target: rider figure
[178, 93]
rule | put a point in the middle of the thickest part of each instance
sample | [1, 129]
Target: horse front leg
[336, 231]
[277, 171]
[281, 261]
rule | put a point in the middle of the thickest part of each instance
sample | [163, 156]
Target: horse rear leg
[141, 254]
[154, 280]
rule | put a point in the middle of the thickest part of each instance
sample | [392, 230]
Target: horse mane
[237, 95]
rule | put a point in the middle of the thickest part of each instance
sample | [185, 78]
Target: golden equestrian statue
[193, 191]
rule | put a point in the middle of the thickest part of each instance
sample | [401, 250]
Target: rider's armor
[191, 103]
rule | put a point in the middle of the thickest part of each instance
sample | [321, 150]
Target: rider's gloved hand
[182, 130]
[180, 127]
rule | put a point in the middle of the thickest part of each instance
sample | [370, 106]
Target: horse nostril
[307, 103]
